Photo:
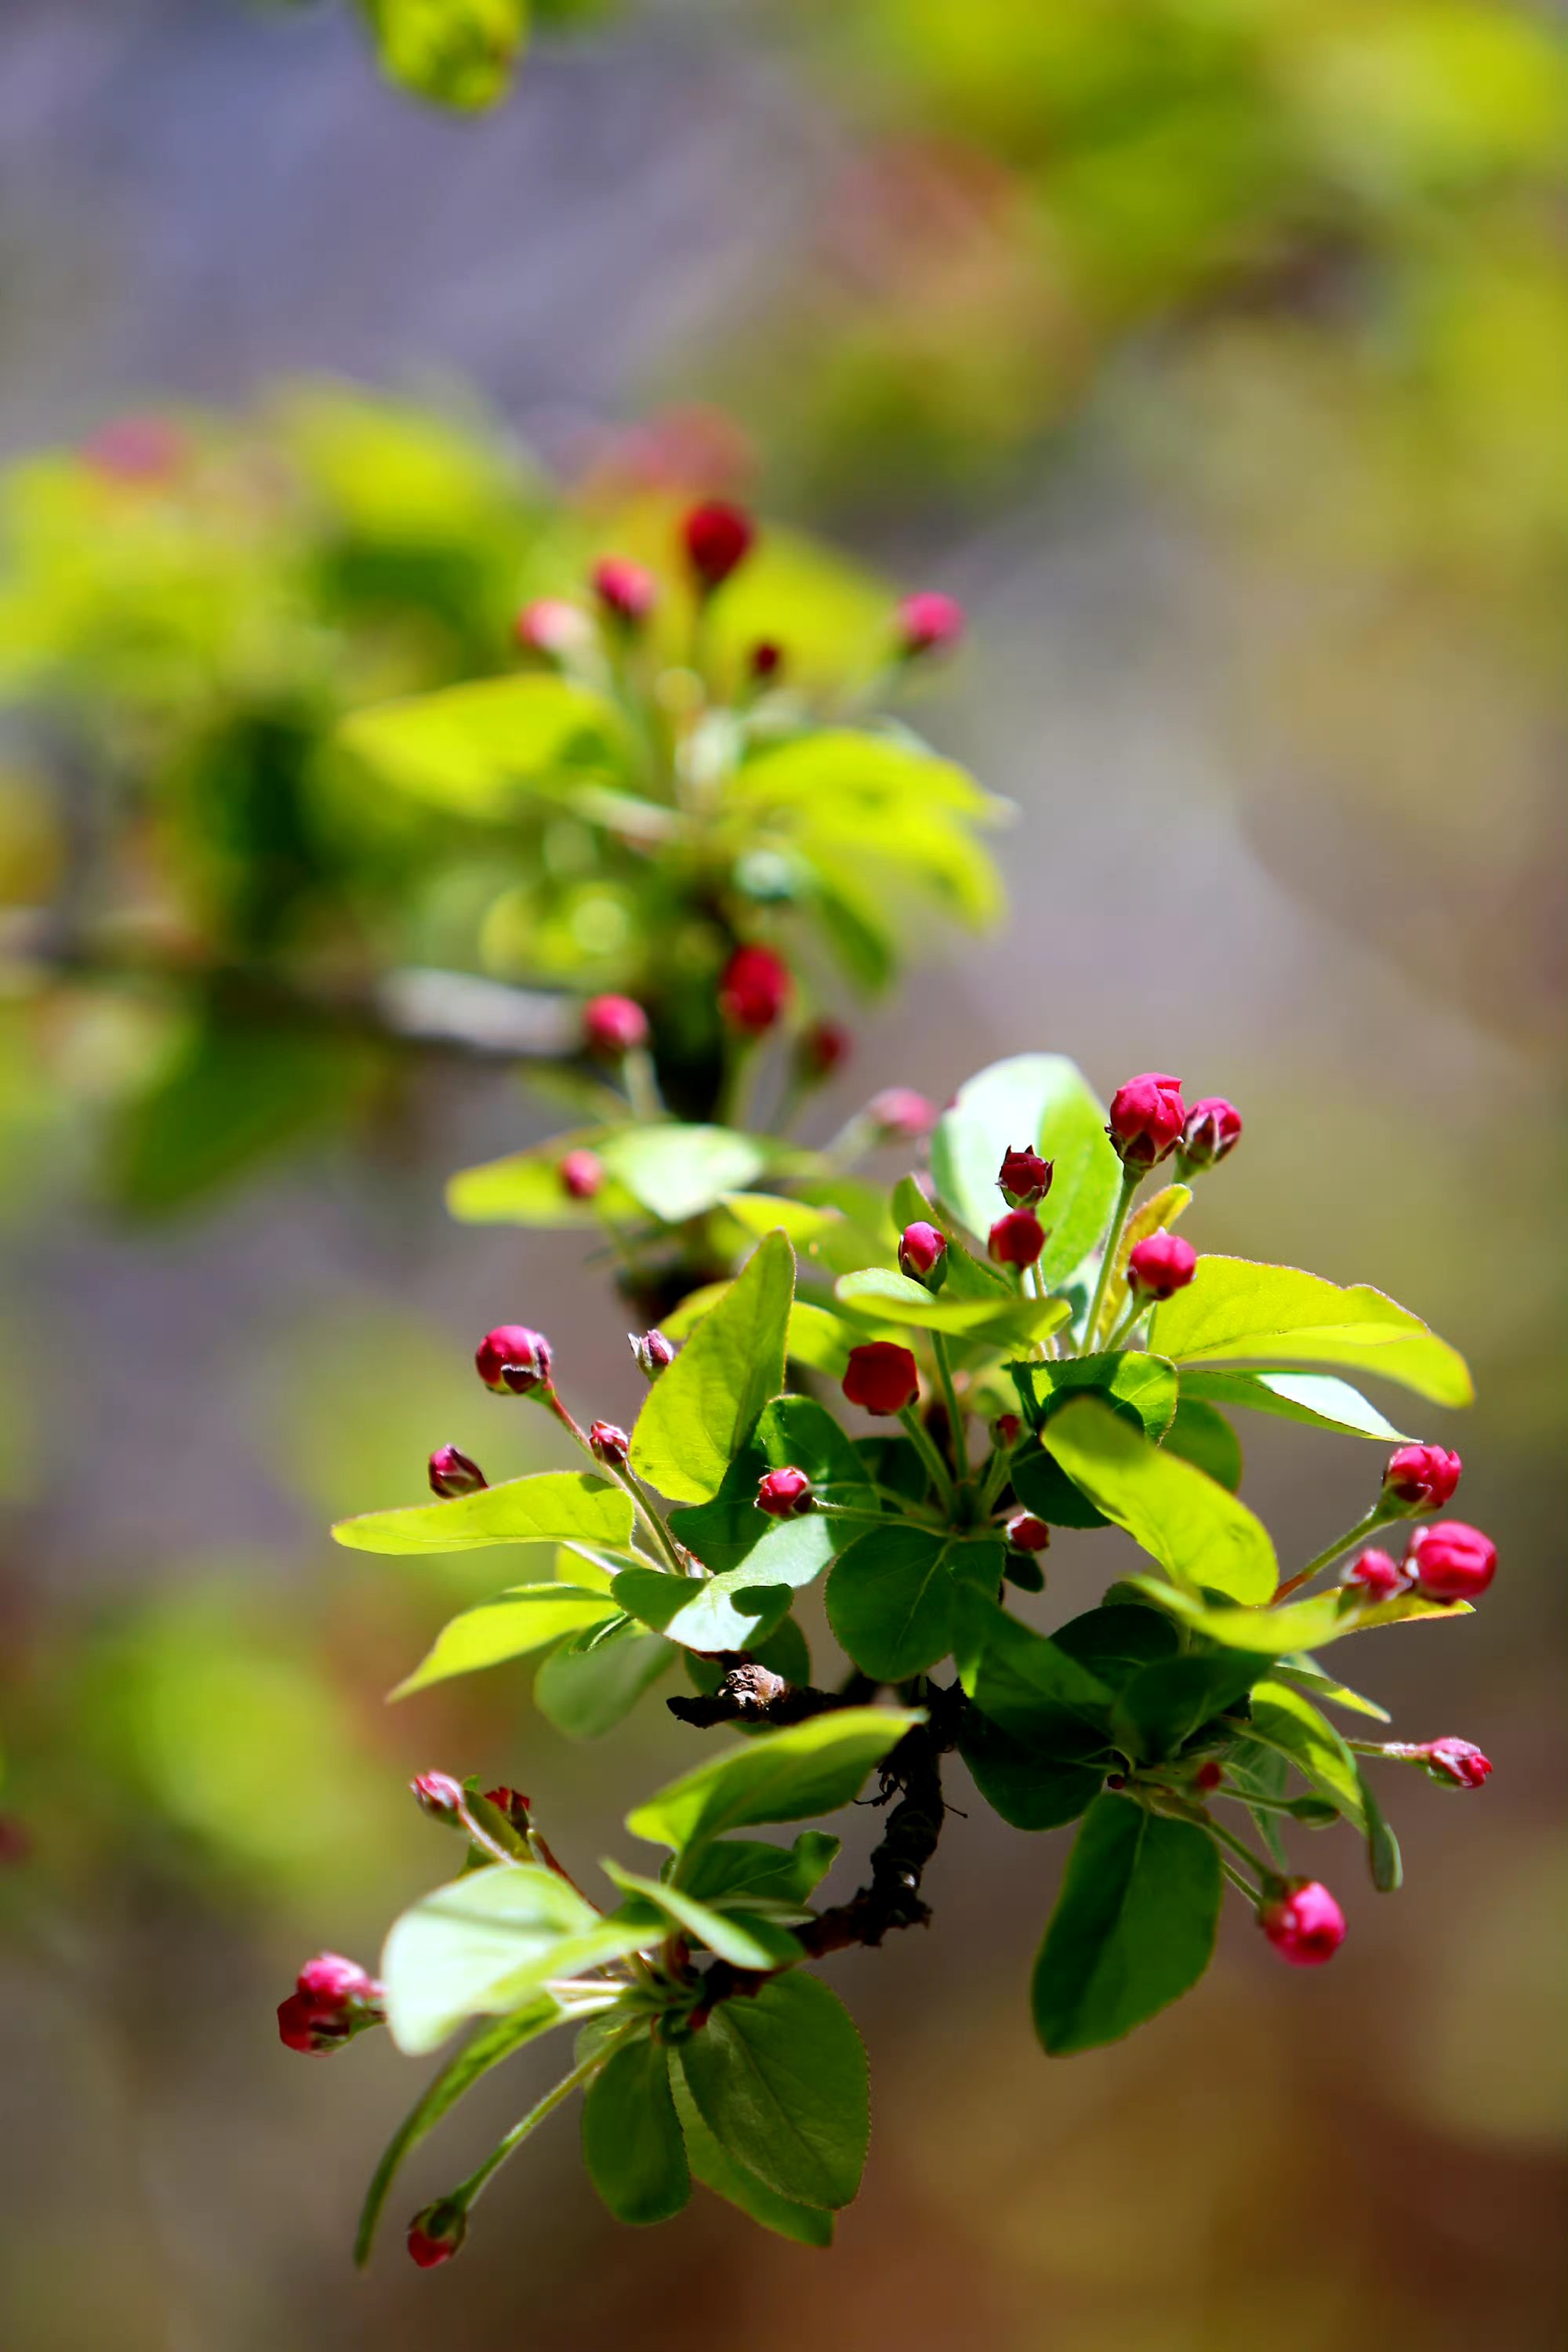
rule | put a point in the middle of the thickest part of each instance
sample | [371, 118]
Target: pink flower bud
[1016, 1239]
[512, 1803]
[437, 1794]
[303, 2025]
[552, 628]
[1159, 1265]
[1027, 1533]
[765, 660]
[881, 1376]
[1007, 1429]
[1023, 1178]
[1459, 1762]
[923, 1255]
[1424, 1474]
[1305, 1926]
[822, 1048]
[332, 1980]
[1213, 1130]
[452, 1473]
[436, 2234]
[718, 537]
[753, 990]
[512, 1358]
[653, 1352]
[1377, 1576]
[146, 449]
[900, 1115]
[614, 1026]
[333, 1998]
[1451, 1561]
[607, 1442]
[582, 1175]
[1147, 1117]
[624, 590]
[785, 1494]
[928, 622]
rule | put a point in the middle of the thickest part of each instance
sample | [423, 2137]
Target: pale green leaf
[480, 749]
[893, 1297]
[676, 1172]
[1041, 1100]
[528, 1618]
[556, 1506]
[1277, 1315]
[744, 1943]
[698, 1412]
[1200, 1535]
[780, 1776]
[1319, 1399]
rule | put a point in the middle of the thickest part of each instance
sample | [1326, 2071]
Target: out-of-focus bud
[1016, 1239]
[1209, 1775]
[1211, 1130]
[1023, 1178]
[512, 1803]
[1147, 1117]
[765, 661]
[1451, 1561]
[614, 1026]
[303, 2025]
[881, 1376]
[512, 1358]
[143, 450]
[1305, 1925]
[333, 1980]
[552, 628]
[16, 1842]
[928, 622]
[1426, 1475]
[1027, 1533]
[900, 1115]
[1007, 1429]
[1160, 1265]
[785, 1494]
[753, 990]
[1377, 1576]
[607, 1442]
[1458, 1763]
[821, 1049]
[717, 537]
[437, 1794]
[436, 2234]
[582, 1175]
[333, 1998]
[923, 1255]
[624, 590]
[653, 1352]
[452, 1473]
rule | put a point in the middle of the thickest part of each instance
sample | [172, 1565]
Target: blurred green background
[1214, 352]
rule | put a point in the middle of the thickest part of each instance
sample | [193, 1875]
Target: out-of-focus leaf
[525, 1189]
[677, 1172]
[893, 1297]
[479, 750]
[459, 53]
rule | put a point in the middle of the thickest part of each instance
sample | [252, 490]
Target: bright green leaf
[779, 1776]
[744, 1943]
[521, 1620]
[593, 1681]
[780, 2082]
[1277, 1314]
[749, 1869]
[1297, 1625]
[733, 1612]
[480, 749]
[1141, 1387]
[700, 1410]
[893, 1297]
[1284, 1719]
[678, 1173]
[1200, 1535]
[1041, 1100]
[556, 1506]
[525, 1189]
[1319, 1399]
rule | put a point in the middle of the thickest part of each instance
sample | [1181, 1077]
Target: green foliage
[529, 1618]
[458, 53]
[631, 2142]
[555, 1506]
[1279, 1315]
[781, 2083]
[781, 1776]
[1133, 1930]
[1200, 1535]
[1040, 1100]
[484, 1947]
[700, 1410]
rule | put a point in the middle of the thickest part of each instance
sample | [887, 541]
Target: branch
[749, 1694]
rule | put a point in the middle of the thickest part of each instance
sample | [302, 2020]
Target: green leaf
[555, 1506]
[889, 1600]
[1200, 1535]
[1383, 1857]
[1297, 1624]
[1319, 1399]
[1133, 1929]
[523, 1619]
[525, 1189]
[749, 1869]
[484, 1944]
[458, 53]
[700, 1410]
[780, 2082]
[807, 2225]
[780, 1776]
[592, 1681]
[631, 2142]
[792, 1432]
[1277, 1315]
[1027, 1789]
[893, 1297]
[1165, 1703]
[1038, 1692]
[1142, 1389]
[1305, 1673]
[745, 1944]
[1201, 1435]
[1284, 1719]
[481, 750]
[677, 1172]
[733, 1612]
[1114, 1640]
[1042, 1100]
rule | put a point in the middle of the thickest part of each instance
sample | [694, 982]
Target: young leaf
[700, 1408]
[592, 1681]
[632, 2143]
[1283, 1718]
[889, 1600]
[793, 1431]
[1201, 1435]
[736, 1611]
[1297, 1624]
[893, 1297]
[808, 2225]
[1044, 1101]
[678, 1173]
[1277, 1315]
[527, 1618]
[457, 53]
[478, 750]
[1200, 1535]
[745, 1944]
[555, 1506]
[1319, 1399]
[1133, 1929]
[780, 1776]
[781, 2083]
[1305, 1673]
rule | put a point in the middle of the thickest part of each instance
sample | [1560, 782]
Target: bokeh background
[1217, 355]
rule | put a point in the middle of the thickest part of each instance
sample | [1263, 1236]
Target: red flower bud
[1451, 1561]
[452, 1473]
[435, 2235]
[303, 2025]
[1209, 1775]
[437, 1794]
[624, 590]
[332, 1980]
[765, 660]
[1305, 1926]
[1424, 1474]
[901, 1116]
[928, 622]
[512, 1358]
[1027, 1533]
[614, 1026]
[717, 538]
[1377, 1577]
[785, 1494]
[881, 1376]
[1212, 1129]
[552, 627]
[653, 1352]
[1007, 1429]
[923, 1255]
[511, 1803]
[1146, 1118]
[332, 2000]
[1459, 1762]
[1023, 1178]
[753, 990]
[581, 1174]
[1160, 1265]
[606, 1442]
[822, 1048]
[1017, 1239]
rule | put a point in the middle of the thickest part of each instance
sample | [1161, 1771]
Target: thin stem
[1131, 1179]
[955, 1417]
[931, 1457]
[641, 1084]
[627, 1480]
[468, 2190]
[1377, 1517]
[1236, 1880]
[1136, 1309]
[1266, 1871]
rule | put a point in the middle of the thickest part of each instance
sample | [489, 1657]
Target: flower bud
[900, 1115]
[653, 1352]
[753, 990]
[16, 1842]
[512, 1803]
[1005, 1430]
[1023, 1178]
[436, 2234]
[1147, 1117]
[624, 590]
[785, 1494]
[765, 660]
[821, 1049]
[1451, 1561]
[1377, 1576]
[303, 2025]
[1305, 1925]
[452, 1473]
[1211, 1130]
[1209, 1775]
[333, 1998]
[513, 1359]
[717, 538]
[614, 1026]
[1458, 1763]
[1027, 1533]
[1016, 1239]
[333, 1980]
[437, 1794]
[928, 622]
[582, 1175]
[923, 1255]
[1426, 1475]
[881, 1377]
[552, 628]
[1159, 1265]
[606, 1442]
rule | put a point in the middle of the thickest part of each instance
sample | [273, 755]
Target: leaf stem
[467, 2191]
[1131, 1179]
[931, 1457]
[1377, 1517]
[627, 1480]
[955, 1417]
